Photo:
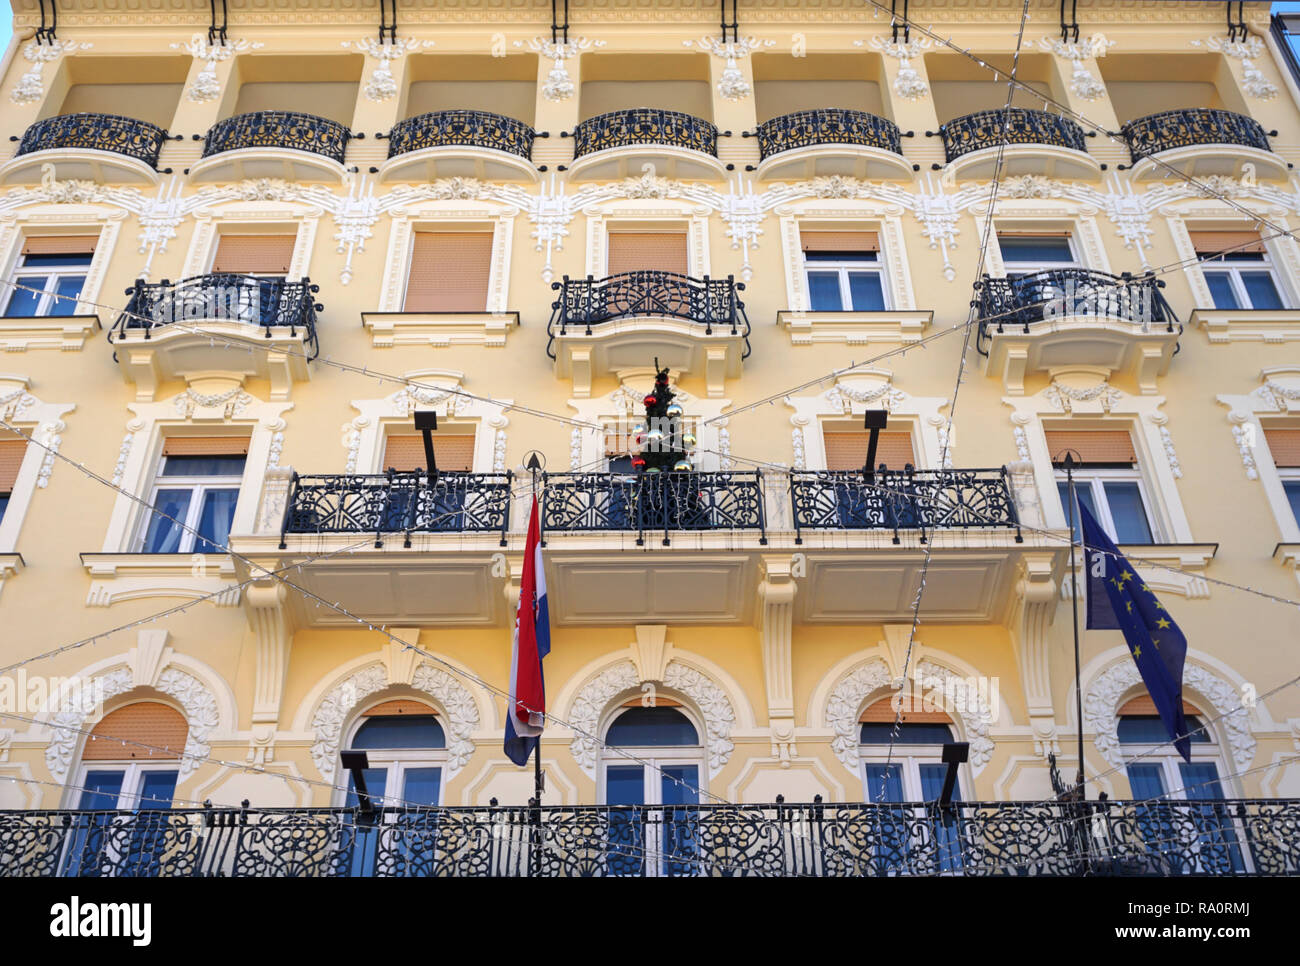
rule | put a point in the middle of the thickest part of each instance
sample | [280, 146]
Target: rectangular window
[1237, 269]
[1107, 481]
[1024, 253]
[647, 251]
[843, 271]
[261, 255]
[848, 450]
[454, 453]
[1284, 445]
[197, 485]
[12, 452]
[49, 276]
[450, 272]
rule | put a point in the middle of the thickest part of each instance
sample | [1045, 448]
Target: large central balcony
[105, 148]
[273, 144]
[1075, 316]
[468, 144]
[172, 330]
[600, 326]
[618, 144]
[1200, 141]
[1026, 142]
[985, 839]
[829, 141]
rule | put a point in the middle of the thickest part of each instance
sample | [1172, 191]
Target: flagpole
[1074, 605]
[539, 782]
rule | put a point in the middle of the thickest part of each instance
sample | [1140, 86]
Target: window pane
[157, 789]
[68, 289]
[640, 727]
[214, 520]
[1127, 511]
[1220, 284]
[163, 535]
[680, 785]
[866, 292]
[400, 731]
[624, 785]
[26, 298]
[824, 291]
[1053, 250]
[932, 777]
[1148, 729]
[1147, 781]
[878, 733]
[4, 504]
[1292, 488]
[1261, 290]
[1084, 492]
[101, 789]
[885, 783]
[203, 466]
[1200, 779]
[66, 258]
[376, 784]
[420, 786]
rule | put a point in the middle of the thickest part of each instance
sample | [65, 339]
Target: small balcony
[104, 148]
[620, 143]
[1075, 316]
[1200, 141]
[896, 500]
[273, 144]
[830, 142]
[607, 325]
[1036, 142]
[174, 330]
[398, 502]
[467, 144]
[1222, 838]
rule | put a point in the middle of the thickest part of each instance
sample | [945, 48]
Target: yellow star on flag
[1162, 623]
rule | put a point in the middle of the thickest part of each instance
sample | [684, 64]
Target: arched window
[406, 749]
[652, 765]
[131, 758]
[913, 771]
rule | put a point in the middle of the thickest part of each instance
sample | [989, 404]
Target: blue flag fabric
[1119, 600]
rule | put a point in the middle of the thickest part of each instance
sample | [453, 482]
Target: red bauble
[638, 463]
[651, 400]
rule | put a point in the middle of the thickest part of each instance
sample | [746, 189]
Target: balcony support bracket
[776, 593]
[264, 603]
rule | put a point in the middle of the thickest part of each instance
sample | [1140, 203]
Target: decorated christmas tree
[661, 438]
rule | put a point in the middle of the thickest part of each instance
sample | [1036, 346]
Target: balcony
[273, 144]
[1200, 141]
[620, 143]
[103, 148]
[1075, 316]
[604, 326]
[467, 144]
[1236, 838]
[827, 142]
[398, 502]
[1036, 142]
[175, 330]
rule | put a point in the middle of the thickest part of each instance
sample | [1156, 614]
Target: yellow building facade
[239, 265]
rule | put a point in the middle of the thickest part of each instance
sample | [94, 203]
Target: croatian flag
[527, 709]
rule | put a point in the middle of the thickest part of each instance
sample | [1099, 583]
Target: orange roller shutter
[1091, 445]
[453, 453]
[647, 251]
[882, 712]
[60, 244]
[253, 254]
[848, 450]
[399, 706]
[206, 446]
[450, 271]
[146, 723]
[1213, 242]
[1143, 705]
[12, 452]
[839, 241]
[1284, 444]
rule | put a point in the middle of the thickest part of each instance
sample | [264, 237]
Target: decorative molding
[558, 85]
[1253, 81]
[732, 85]
[31, 86]
[907, 82]
[206, 87]
[1082, 82]
[382, 86]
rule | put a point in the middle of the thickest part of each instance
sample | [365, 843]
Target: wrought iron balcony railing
[270, 303]
[644, 125]
[575, 502]
[477, 129]
[1259, 837]
[278, 129]
[398, 502]
[100, 132]
[1068, 293]
[826, 126]
[988, 129]
[906, 499]
[1191, 126]
[710, 302]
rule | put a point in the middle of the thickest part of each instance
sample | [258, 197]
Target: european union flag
[1119, 600]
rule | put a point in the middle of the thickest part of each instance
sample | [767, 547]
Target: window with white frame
[450, 271]
[1284, 445]
[1237, 269]
[406, 747]
[651, 767]
[843, 271]
[1107, 480]
[194, 494]
[1024, 253]
[49, 275]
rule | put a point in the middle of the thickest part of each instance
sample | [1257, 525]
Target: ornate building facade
[241, 257]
